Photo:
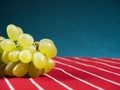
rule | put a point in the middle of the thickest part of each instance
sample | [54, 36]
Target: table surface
[72, 73]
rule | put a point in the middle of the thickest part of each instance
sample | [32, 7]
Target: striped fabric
[72, 73]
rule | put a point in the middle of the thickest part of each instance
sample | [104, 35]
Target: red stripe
[90, 62]
[110, 59]
[72, 82]
[90, 78]
[47, 83]
[3, 85]
[93, 66]
[75, 84]
[89, 58]
[95, 71]
[106, 61]
[22, 84]
[87, 77]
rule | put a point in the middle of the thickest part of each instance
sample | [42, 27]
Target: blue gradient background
[87, 28]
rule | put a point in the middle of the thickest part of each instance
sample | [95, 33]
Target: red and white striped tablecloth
[72, 73]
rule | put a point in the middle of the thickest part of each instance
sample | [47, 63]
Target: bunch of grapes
[21, 56]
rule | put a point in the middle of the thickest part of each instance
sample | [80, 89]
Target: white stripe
[37, 85]
[113, 82]
[87, 65]
[98, 62]
[81, 59]
[9, 84]
[116, 59]
[99, 88]
[64, 85]
[106, 60]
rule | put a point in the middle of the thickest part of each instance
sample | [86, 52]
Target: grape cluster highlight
[21, 56]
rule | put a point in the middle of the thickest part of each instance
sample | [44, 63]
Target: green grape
[49, 49]
[39, 60]
[34, 72]
[14, 55]
[25, 40]
[9, 68]
[0, 61]
[2, 70]
[31, 48]
[20, 30]
[2, 38]
[0, 58]
[5, 58]
[20, 69]
[46, 40]
[13, 32]
[1, 50]
[7, 45]
[50, 65]
[25, 56]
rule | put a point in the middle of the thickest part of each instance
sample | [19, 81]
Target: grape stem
[36, 44]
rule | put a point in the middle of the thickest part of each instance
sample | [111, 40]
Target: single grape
[14, 55]
[25, 56]
[9, 68]
[2, 38]
[13, 32]
[5, 58]
[1, 50]
[7, 45]
[50, 65]
[20, 69]
[46, 40]
[39, 60]
[31, 48]
[2, 70]
[48, 49]
[0, 58]
[34, 72]
[20, 30]
[25, 40]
